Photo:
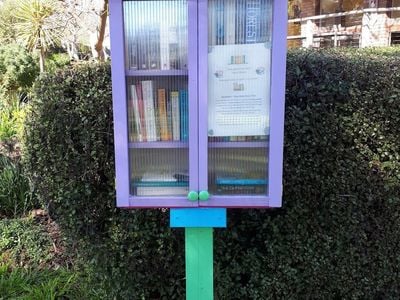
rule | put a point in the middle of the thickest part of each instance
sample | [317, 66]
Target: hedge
[337, 235]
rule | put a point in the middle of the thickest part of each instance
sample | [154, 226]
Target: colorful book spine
[253, 21]
[184, 118]
[169, 119]
[136, 114]
[174, 98]
[143, 127]
[219, 10]
[162, 114]
[149, 110]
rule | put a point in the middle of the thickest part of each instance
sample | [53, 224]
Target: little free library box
[198, 98]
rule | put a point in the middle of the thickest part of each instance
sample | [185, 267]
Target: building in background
[343, 23]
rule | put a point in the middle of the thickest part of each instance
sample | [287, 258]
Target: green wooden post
[199, 263]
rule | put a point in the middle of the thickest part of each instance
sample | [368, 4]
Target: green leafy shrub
[11, 122]
[57, 61]
[18, 71]
[16, 196]
[336, 236]
[25, 242]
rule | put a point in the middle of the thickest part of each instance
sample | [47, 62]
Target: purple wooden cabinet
[198, 98]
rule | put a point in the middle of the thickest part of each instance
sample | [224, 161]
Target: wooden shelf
[158, 145]
[156, 72]
[258, 144]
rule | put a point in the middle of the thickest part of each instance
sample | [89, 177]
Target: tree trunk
[41, 60]
[102, 30]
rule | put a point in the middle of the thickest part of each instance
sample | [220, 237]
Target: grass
[23, 284]
[31, 268]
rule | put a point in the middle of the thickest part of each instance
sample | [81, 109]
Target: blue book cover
[253, 21]
[219, 10]
[160, 183]
[183, 108]
[240, 181]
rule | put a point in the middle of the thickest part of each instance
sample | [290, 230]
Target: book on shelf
[176, 136]
[143, 50]
[255, 138]
[157, 114]
[149, 110]
[237, 185]
[164, 45]
[154, 47]
[229, 22]
[160, 184]
[184, 120]
[239, 21]
[253, 21]
[169, 119]
[132, 54]
[142, 122]
[162, 115]
[136, 114]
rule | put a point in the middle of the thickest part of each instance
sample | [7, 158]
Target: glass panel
[239, 68]
[157, 88]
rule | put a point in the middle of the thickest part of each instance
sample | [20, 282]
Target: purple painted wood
[119, 105]
[153, 145]
[198, 113]
[279, 33]
[203, 94]
[275, 154]
[193, 96]
[156, 73]
[238, 145]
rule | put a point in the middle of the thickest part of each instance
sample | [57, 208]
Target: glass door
[235, 94]
[161, 101]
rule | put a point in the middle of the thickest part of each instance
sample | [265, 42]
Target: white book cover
[149, 111]
[176, 136]
[161, 191]
[230, 16]
[164, 45]
[136, 115]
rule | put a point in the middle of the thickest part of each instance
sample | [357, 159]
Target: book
[212, 24]
[169, 119]
[174, 98]
[162, 114]
[161, 190]
[183, 61]
[164, 45]
[143, 49]
[173, 48]
[235, 185]
[149, 110]
[219, 11]
[136, 114]
[139, 95]
[184, 118]
[154, 47]
[240, 19]
[132, 53]
[229, 22]
[253, 21]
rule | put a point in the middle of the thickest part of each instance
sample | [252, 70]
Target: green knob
[193, 196]
[204, 195]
